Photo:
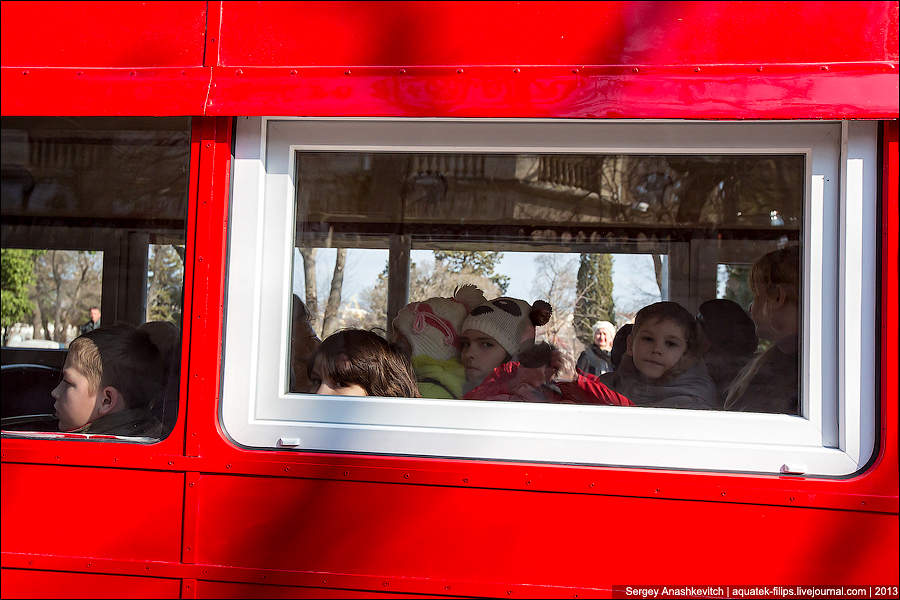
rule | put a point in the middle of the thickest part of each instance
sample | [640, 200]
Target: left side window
[93, 247]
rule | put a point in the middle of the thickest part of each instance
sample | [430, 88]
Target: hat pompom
[469, 296]
[540, 313]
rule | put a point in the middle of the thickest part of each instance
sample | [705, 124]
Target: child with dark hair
[619, 345]
[110, 380]
[662, 366]
[731, 337]
[355, 362]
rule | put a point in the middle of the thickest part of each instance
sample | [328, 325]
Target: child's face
[657, 347]
[329, 388]
[75, 404]
[480, 354]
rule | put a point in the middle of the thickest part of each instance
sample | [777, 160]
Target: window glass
[94, 214]
[565, 250]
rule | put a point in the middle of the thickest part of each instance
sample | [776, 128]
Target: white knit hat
[510, 321]
[432, 326]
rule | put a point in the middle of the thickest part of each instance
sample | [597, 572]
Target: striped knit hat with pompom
[510, 321]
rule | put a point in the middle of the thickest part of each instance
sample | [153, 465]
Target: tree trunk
[329, 323]
[309, 279]
[657, 270]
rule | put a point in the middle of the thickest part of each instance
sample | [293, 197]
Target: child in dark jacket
[662, 365]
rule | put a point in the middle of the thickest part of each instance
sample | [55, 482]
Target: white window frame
[835, 437]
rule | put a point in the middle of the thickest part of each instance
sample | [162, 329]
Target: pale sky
[634, 281]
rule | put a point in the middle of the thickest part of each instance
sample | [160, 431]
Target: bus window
[94, 214]
[713, 242]
[554, 228]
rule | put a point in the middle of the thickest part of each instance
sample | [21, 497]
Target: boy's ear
[628, 341]
[111, 401]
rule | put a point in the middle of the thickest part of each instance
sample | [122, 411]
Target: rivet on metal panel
[465, 480]
[759, 69]
[403, 71]
[635, 69]
[447, 588]
[575, 70]
[347, 72]
[133, 73]
[79, 73]
[459, 70]
[227, 466]
[146, 567]
[286, 469]
[191, 484]
[824, 67]
[517, 70]
[723, 493]
[239, 72]
[528, 482]
[791, 499]
[24, 72]
[89, 565]
[194, 434]
[862, 502]
[208, 145]
[293, 71]
[187, 548]
[656, 491]
[57, 457]
[406, 476]
[384, 583]
[509, 592]
[346, 473]
[115, 459]
[696, 69]
[171, 462]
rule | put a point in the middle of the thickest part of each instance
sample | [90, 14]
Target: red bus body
[197, 516]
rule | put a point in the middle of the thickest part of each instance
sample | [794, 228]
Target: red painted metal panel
[633, 60]
[113, 513]
[537, 538]
[102, 34]
[153, 91]
[550, 92]
[221, 589]
[20, 583]
[890, 296]
[555, 33]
